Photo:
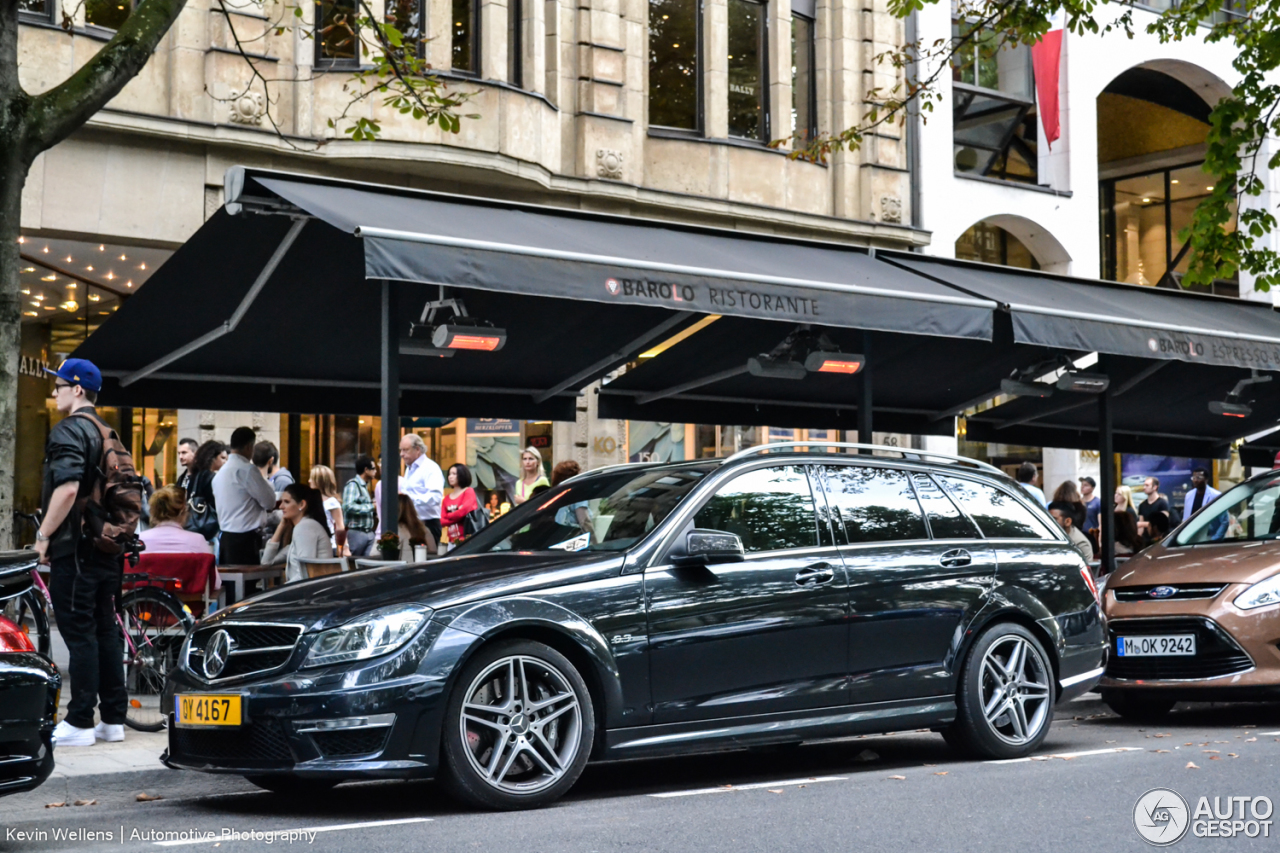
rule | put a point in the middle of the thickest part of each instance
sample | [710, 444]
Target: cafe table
[239, 576]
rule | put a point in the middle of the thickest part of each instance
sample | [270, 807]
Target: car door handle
[816, 575]
[955, 558]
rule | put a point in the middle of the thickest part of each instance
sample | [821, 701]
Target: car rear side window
[998, 513]
[874, 504]
[770, 509]
[945, 521]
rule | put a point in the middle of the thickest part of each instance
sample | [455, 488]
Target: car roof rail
[905, 453]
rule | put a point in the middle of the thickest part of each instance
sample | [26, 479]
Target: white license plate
[1156, 645]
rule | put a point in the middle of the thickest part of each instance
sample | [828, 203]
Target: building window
[108, 14]
[674, 84]
[804, 79]
[406, 16]
[466, 37]
[1141, 218]
[991, 244]
[993, 99]
[336, 42]
[515, 44]
[748, 71]
[42, 9]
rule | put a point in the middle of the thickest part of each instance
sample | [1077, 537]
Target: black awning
[418, 236]
[1121, 319]
[1163, 412]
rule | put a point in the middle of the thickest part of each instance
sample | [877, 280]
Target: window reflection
[999, 514]
[804, 76]
[673, 63]
[108, 14]
[466, 56]
[746, 70]
[875, 504]
[43, 8]
[945, 521]
[336, 42]
[769, 509]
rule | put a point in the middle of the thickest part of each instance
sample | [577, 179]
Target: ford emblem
[1163, 591]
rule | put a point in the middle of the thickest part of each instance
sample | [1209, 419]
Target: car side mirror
[711, 546]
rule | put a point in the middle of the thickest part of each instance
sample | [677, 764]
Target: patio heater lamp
[457, 336]
[834, 362]
[1233, 406]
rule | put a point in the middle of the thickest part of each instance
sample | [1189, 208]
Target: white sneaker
[66, 734]
[111, 733]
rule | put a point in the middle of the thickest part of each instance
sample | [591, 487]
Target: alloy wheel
[1015, 690]
[521, 722]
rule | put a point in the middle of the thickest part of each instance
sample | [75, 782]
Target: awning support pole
[864, 394]
[612, 360]
[1106, 479]
[228, 326]
[390, 358]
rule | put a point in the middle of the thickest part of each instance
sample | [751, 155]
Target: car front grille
[1216, 653]
[260, 743]
[1181, 592]
[340, 744]
[257, 649]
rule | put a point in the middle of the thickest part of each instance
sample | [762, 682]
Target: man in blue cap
[83, 581]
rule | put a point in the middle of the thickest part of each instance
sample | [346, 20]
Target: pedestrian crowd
[1078, 509]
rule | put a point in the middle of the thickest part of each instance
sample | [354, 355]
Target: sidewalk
[138, 750]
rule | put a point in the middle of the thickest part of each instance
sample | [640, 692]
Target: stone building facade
[561, 91]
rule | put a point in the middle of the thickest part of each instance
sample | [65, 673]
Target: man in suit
[1200, 495]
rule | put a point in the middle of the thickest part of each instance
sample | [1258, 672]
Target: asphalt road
[828, 796]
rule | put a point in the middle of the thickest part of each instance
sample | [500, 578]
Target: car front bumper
[378, 720]
[1237, 653]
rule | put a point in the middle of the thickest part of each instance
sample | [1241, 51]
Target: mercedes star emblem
[216, 652]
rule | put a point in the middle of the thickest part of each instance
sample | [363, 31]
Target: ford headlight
[375, 633]
[1260, 594]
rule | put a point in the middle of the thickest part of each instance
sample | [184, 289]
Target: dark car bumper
[28, 702]
[379, 720]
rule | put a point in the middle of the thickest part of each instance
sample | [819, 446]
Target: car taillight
[1089, 582]
[13, 638]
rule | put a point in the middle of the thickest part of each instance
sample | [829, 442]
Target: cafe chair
[323, 567]
[195, 574]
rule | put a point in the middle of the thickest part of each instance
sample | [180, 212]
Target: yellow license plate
[207, 709]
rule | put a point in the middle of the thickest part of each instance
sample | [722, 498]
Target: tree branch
[56, 114]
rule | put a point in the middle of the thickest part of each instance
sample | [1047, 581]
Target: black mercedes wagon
[783, 594]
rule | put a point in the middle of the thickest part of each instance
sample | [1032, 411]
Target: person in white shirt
[423, 482]
[302, 535]
[243, 498]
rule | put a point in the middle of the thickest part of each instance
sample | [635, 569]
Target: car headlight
[1260, 594]
[375, 633]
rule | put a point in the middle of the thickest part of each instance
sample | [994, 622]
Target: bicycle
[154, 622]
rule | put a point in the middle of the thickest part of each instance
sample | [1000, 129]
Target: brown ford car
[1197, 617]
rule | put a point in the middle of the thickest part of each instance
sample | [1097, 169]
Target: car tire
[293, 786]
[1137, 705]
[527, 730]
[1005, 697]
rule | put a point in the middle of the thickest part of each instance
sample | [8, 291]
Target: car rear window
[999, 514]
[874, 504]
[945, 521]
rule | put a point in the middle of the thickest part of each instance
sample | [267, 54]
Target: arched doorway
[1153, 121]
[1012, 241]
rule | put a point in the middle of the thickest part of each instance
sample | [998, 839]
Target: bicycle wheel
[27, 612]
[155, 624]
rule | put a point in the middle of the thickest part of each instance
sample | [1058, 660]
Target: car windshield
[608, 512]
[1245, 513]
